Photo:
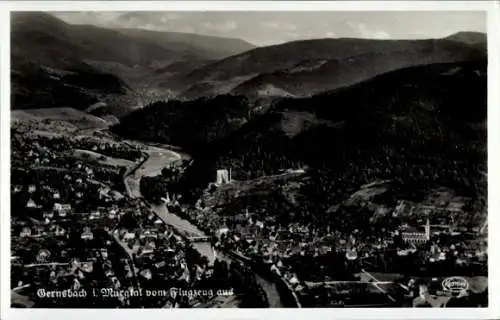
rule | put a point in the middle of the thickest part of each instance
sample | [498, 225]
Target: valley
[318, 172]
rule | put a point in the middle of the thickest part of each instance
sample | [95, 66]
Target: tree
[146, 96]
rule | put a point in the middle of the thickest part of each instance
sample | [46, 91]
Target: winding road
[157, 160]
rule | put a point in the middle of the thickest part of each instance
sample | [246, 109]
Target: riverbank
[274, 288]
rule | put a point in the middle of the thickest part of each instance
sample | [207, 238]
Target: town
[250, 159]
[76, 225]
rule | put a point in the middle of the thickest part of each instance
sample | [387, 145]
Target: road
[158, 159]
[131, 263]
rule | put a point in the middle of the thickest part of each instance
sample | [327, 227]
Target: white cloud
[149, 26]
[285, 26]
[168, 17]
[220, 27]
[366, 32]
[380, 35]
[89, 17]
[276, 27]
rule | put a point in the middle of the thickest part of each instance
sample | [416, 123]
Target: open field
[74, 116]
[158, 159]
[97, 157]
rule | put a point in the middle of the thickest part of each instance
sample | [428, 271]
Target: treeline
[34, 87]
[420, 127]
[170, 180]
[406, 111]
[191, 125]
[64, 144]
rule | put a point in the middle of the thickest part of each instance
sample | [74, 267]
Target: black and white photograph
[248, 159]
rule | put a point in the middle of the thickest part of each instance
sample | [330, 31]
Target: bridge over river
[159, 158]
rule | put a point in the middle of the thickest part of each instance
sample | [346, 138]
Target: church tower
[427, 230]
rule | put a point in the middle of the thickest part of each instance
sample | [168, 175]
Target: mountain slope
[34, 86]
[476, 40]
[318, 65]
[207, 47]
[130, 59]
[419, 126]
[192, 124]
[47, 39]
[435, 104]
[50, 41]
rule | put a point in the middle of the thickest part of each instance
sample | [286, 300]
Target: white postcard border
[493, 9]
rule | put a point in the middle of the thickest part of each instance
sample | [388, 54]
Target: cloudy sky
[265, 28]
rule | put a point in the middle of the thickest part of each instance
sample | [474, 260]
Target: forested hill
[78, 87]
[190, 124]
[58, 64]
[305, 67]
[421, 126]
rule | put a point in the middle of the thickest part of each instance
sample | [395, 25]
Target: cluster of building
[71, 230]
[426, 232]
[60, 143]
[68, 229]
[67, 254]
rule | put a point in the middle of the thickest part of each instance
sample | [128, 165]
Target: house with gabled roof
[31, 204]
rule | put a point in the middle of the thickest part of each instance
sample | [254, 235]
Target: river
[184, 226]
[159, 158]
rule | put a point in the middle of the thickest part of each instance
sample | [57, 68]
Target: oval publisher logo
[455, 284]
